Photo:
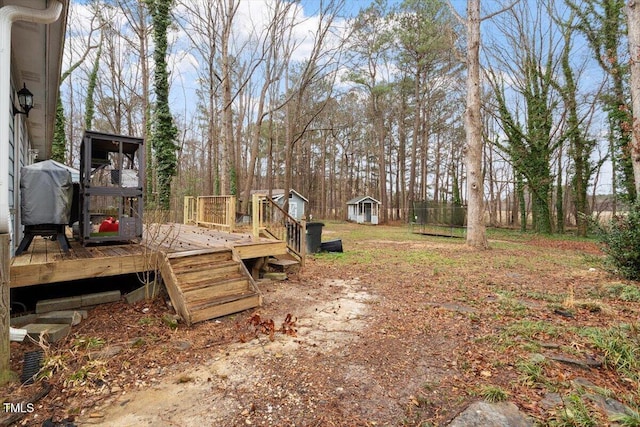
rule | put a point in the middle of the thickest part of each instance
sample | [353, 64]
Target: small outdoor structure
[111, 187]
[297, 202]
[363, 210]
[439, 218]
[47, 194]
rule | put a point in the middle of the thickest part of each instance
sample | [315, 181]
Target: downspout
[9, 15]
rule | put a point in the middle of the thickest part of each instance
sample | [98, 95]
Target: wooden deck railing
[217, 212]
[270, 220]
[190, 210]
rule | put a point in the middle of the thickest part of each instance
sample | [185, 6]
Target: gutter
[9, 15]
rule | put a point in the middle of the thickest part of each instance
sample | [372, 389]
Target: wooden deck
[44, 262]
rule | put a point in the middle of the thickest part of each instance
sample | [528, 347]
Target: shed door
[293, 209]
[367, 212]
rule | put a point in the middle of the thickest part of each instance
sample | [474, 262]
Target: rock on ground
[485, 414]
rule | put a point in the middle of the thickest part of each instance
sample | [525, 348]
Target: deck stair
[286, 263]
[205, 284]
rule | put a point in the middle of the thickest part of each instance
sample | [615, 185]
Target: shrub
[621, 243]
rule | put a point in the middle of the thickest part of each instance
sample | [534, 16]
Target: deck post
[186, 206]
[303, 242]
[200, 210]
[255, 215]
[231, 212]
[5, 304]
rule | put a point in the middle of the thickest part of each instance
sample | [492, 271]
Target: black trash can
[314, 237]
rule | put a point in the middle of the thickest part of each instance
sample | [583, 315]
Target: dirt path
[217, 391]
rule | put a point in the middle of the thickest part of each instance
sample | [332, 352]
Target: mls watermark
[18, 408]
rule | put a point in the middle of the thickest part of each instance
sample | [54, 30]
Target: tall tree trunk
[559, 196]
[229, 175]
[521, 206]
[476, 230]
[633, 15]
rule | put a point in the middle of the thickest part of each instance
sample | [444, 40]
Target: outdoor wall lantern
[25, 99]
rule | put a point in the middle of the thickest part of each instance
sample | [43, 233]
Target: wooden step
[217, 289]
[194, 261]
[283, 262]
[212, 281]
[204, 284]
[208, 283]
[222, 270]
[202, 265]
[223, 300]
[226, 306]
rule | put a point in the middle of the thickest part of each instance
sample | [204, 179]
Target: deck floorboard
[44, 262]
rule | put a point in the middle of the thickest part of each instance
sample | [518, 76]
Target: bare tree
[274, 52]
[200, 21]
[476, 229]
[476, 232]
[370, 45]
[318, 70]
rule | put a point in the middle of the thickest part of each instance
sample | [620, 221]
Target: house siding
[296, 206]
[18, 157]
[11, 187]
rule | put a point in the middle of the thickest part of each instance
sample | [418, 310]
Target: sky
[183, 63]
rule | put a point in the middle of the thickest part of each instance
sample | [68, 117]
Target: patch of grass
[623, 292]
[94, 370]
[532, 372]
[510, 304]
[144, 321]
[170, 321]
[592, 306]
[620, 346]
[631, 419]
[52, 364]
[543, 296]
[532, 329]
[493, 394]
[431, 258]
[593, 260]
[513, 307]
[88, 343]
[575, 413]
[507, 263]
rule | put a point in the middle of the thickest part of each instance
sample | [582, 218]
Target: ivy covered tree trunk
[521, 201]
[89, 110]
[540, 206]
[163, 129]
[580, 147]
[59, 146]
[603, 24]
[559, 197]
[633, 12]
